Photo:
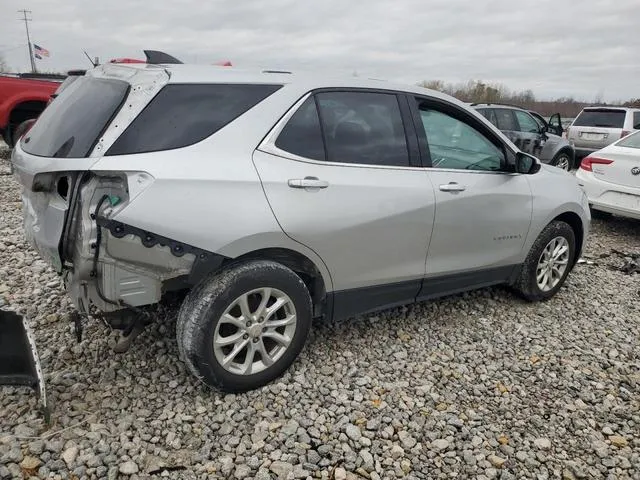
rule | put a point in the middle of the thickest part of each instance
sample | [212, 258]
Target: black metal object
[157, 57]
[19, 363]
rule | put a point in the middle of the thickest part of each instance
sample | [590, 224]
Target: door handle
[452, 187]
[308, 182]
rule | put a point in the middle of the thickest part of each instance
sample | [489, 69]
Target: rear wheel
[244, 327]
[549, 262]
[562, 160]
[595, 213]
[21, 129]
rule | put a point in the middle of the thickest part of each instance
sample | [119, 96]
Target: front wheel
[549, 262]
[242, 328]
[562, 161]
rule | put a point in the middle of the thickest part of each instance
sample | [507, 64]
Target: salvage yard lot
[474, 385]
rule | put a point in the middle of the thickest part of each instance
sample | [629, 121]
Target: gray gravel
[480, 385]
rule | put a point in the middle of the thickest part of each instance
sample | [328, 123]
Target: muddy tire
[243, 327]
[548, 263]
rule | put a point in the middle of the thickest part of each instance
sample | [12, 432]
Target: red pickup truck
[23, 97]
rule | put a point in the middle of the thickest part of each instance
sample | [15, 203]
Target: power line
[26, 26]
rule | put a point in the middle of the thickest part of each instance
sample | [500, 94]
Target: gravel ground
[480, 385]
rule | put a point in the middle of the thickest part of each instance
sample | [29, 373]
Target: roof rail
[277, 71]
[497, 105]
[42, 76]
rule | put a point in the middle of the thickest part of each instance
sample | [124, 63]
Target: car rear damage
[70, 213]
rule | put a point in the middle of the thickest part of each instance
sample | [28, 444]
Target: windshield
[605, 118]
[71, 125]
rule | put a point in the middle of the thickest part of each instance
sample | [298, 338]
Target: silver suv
[597, 127]
[270, 199]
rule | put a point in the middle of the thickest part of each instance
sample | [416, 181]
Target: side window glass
[526, 122]
[455, 144]
[363, 128]
[636, 120]
[490, 115]
[302, 134]
[505, 120]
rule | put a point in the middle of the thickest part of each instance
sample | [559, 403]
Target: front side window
[506, 120]
[636, 120]
[455, 144]
[184, 114]
[489, 114]
[526, 122]
[363, 128]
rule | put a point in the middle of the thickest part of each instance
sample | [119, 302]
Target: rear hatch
[68, 138]
[595, 128]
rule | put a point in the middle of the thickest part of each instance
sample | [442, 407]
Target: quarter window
[526, 122]
[457, 145]
[636, 120]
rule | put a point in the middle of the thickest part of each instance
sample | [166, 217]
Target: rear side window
[70, 126]
[632, 141]
[364, 128]
[184, 114]
[636, 120]
[506, 120]
[302, 134]
[604, 118]
[489, 114]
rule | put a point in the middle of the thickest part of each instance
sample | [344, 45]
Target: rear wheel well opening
[569, 152]
[574, 221]
[301, 265]
[26, 110]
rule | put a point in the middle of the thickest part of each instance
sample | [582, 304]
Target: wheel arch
[569, 151]
[575, 222]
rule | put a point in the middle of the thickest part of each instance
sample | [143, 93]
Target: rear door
[595, 128]
[532, 139]
[483, 213]
[341, 174]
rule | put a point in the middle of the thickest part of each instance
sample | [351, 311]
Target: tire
[599, 214]
[562, 160]
[201, 329]
[527, 283]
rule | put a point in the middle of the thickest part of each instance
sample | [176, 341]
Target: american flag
[40, 52]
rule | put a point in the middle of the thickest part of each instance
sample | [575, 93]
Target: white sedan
[611, 177]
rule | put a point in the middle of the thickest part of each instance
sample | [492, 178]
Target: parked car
[596, 127]
[611, 177]
[554, 125]
[22, 98]
[279, 198]
[530, 135]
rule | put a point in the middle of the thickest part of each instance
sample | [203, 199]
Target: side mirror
[527, 164]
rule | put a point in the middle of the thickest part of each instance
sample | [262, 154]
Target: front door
[555, 124]
[359, 203]
[483, 213]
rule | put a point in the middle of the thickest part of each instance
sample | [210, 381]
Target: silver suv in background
[530, 134]
[596, 127]
[269, 199]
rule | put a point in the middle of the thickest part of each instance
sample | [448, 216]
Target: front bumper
[609, 197]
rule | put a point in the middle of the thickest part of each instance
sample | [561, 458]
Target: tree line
[477, 91]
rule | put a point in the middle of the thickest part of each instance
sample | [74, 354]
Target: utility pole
[26, 25]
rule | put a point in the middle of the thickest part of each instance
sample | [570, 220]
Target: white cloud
[554, 47]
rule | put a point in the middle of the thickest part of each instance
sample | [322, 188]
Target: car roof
[185, 73]
[500, 105]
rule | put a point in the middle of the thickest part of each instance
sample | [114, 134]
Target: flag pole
[26, 25]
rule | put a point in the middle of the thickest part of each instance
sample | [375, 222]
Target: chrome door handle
[308, 182]
[452, 187]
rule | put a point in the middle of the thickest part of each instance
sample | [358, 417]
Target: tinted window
[600, 118]
[363, 127]
[505, 120]
[542, 123]
[490, 115]
[455, 144]
[70, 126]
[636, 120]
[183, 114]
[526, 122]
[302, 134]
[632, 141]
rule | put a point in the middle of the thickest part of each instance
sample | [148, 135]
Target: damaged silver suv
[270, 199]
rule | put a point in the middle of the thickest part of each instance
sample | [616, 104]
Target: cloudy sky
[554, 47]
